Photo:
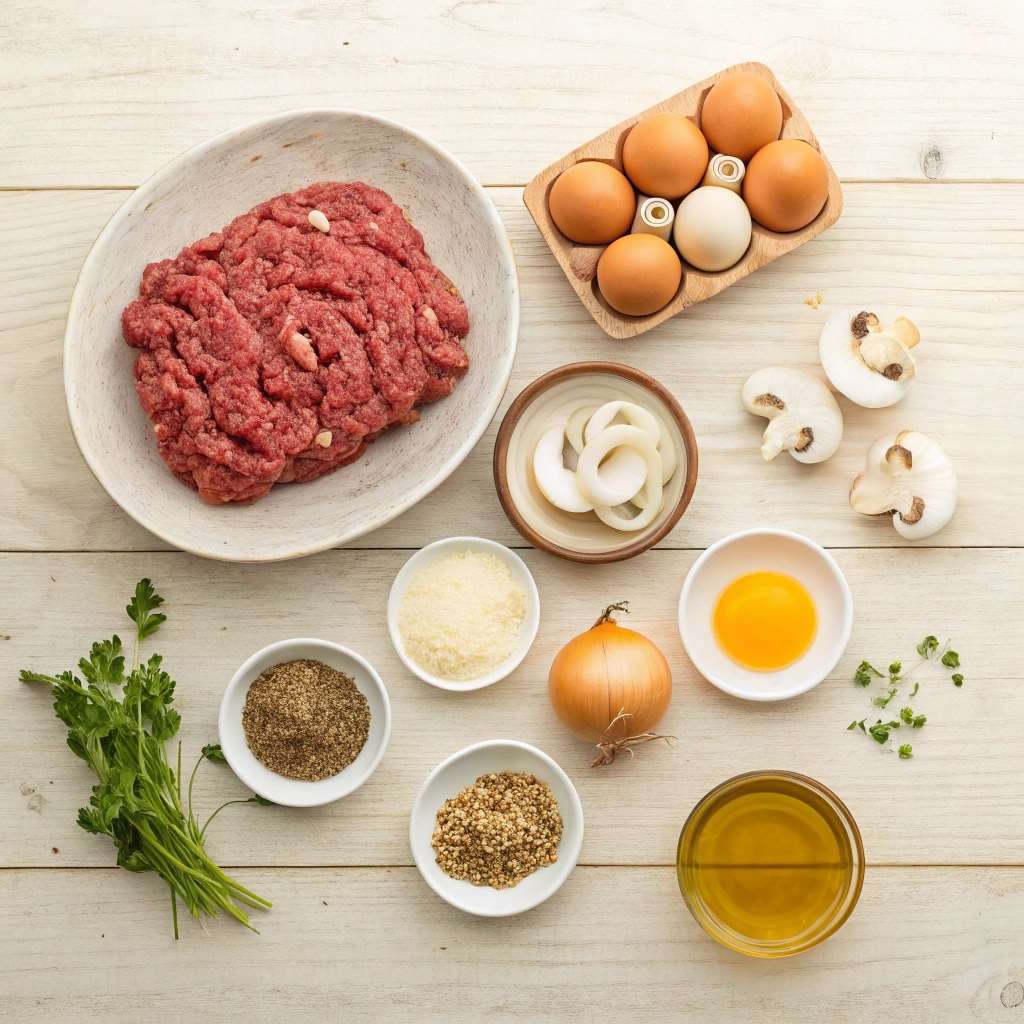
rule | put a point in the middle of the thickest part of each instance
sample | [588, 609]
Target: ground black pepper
[305, 720]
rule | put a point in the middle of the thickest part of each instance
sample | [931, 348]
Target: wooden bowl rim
[514, 413]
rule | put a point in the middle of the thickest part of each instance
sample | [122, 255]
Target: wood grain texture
[104, 94]
[958, 801]
[932, 946]
[948, 257]
[697, 285]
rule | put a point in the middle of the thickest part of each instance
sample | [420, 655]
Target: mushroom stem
[784, 433]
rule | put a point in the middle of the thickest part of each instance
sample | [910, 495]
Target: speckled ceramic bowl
[296, 792]
[203, 190]
[583, 537]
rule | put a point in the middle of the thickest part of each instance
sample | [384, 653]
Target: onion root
[607, 749]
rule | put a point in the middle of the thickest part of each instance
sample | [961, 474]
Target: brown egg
[638, 274]
[665, 155]
[786, 185]
[592, 203]
[741, 114]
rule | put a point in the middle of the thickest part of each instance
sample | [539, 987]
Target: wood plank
[949, 257]
[931, 93]
[958, 801]
[377, 945]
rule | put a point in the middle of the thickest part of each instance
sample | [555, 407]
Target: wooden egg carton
[579, 262]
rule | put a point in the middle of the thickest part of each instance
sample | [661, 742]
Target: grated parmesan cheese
[461, 615]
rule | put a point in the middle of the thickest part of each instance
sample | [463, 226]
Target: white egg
[712, 228]
[557, 483]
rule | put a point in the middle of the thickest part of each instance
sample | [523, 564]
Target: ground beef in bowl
[272, 351]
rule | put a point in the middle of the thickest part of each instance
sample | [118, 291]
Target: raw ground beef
[272, 352]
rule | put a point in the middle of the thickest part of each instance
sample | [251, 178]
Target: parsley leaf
[865, 670]
[883, 702]
[906, 752]
[951, 659]
[908, 717]
[879, 732]
[958, 679]
[140, 609]
[928, 646]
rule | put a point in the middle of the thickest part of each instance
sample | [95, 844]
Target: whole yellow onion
[610, 686]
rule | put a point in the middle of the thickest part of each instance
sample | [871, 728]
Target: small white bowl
[770, 551]
[296, 792]
[463, 769]
[522, 575]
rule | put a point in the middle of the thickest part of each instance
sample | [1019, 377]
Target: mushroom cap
[877, 382]
[909, 476]
[803, 415]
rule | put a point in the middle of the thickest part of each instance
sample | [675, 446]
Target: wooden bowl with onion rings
[583, 537]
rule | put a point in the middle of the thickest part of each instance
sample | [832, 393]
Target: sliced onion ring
[639, 417]
[556, 483]
[622, 474]
[574, 426]
[596, 489]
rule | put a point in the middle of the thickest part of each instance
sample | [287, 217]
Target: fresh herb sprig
[865, 670]
[929, 650]
[119, 723]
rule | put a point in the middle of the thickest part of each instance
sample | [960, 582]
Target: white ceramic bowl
[522, 575]
[296, 792]
[463, 769]
[203, 190]
[771, 551]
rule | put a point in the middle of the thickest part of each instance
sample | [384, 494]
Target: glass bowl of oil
[770, 863]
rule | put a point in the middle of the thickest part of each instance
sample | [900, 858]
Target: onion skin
[609, 674]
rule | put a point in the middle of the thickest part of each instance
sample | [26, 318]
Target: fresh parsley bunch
[119, 724]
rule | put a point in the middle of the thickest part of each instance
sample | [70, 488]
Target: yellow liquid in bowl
[765, 620]
[770, 865]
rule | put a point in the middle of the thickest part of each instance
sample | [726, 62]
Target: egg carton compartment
[579, 262]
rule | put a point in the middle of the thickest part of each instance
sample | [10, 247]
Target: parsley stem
[227, 803]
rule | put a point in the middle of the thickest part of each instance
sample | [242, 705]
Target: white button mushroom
[870, 364]
[910, 477]
[803, 417]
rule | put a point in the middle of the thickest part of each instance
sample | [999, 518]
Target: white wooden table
[919, 107]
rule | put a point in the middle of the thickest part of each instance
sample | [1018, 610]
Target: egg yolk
[765, 620]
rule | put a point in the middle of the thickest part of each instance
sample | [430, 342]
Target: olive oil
[770, 863]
